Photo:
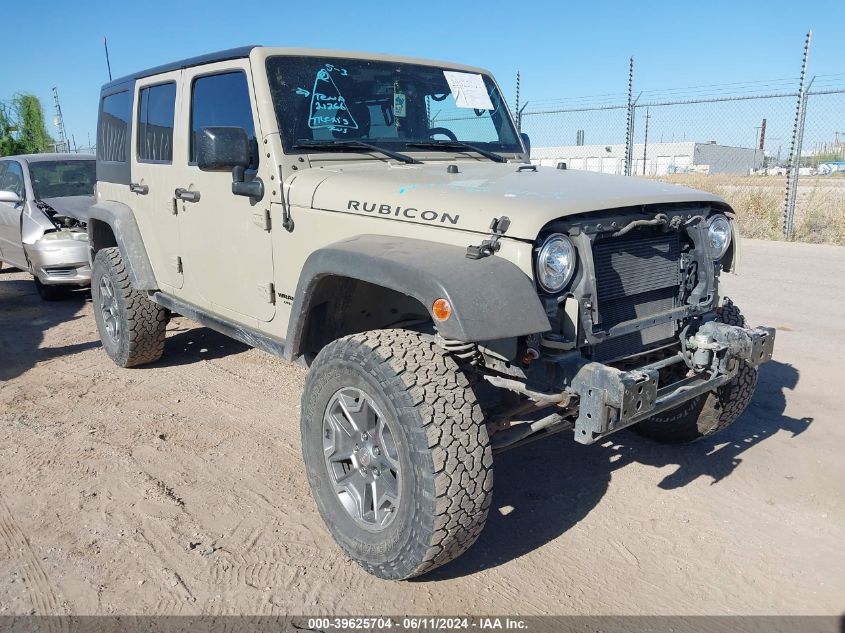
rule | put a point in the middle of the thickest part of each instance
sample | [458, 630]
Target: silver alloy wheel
[109, 308]
[361, 458]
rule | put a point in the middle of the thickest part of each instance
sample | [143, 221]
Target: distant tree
[22, 127]
[9, 145]
[33, 134]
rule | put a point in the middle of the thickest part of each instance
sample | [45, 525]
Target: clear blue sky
[562, 49]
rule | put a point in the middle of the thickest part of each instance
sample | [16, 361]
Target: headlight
[719, 235]
[555, 263]
[66, 235]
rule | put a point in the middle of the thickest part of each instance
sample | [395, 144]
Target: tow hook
[716, 344]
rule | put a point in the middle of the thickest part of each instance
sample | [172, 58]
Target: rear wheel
[396, 452]
[709, 413]
[51, 293]
[132, 328]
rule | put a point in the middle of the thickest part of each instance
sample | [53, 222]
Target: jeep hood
[470, 199]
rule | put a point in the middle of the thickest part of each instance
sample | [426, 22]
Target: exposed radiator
[637, 275]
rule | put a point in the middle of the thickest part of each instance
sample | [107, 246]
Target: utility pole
[645, 140]
[756, 143]
[60, 122]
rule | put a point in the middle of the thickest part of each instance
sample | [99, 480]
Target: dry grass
[758, 202]
[821, 211]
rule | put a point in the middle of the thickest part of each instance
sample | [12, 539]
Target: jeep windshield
[324, 103]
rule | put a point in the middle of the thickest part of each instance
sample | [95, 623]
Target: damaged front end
[56, 242]
[611, 399]
[636, 326]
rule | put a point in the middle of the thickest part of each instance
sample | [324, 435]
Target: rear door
[12, 179]
[225, 243]
[153, 182]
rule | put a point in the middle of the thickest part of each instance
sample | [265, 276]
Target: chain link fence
[777, 156]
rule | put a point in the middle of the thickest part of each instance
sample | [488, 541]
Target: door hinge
[176, 262]
[262, 219]
[267, 291]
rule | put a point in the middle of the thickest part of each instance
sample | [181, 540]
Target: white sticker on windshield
[468, 89]
[400, 104]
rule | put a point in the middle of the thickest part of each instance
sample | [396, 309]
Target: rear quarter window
[113, 128]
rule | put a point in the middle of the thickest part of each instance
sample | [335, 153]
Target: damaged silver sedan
[44, 202]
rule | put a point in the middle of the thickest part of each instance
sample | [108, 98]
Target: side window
[156, 108]
[11, 177]
[222, 100]
[113, 128]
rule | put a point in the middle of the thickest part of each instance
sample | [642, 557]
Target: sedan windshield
[398, 106]
[60, 178]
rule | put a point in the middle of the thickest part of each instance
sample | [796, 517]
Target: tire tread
[145, 321]
[452, 427]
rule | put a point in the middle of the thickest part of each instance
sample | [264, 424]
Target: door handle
[135, 187]
[184, 194]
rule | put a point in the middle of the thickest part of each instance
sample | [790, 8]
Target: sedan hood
[75, 207]
[479, 192]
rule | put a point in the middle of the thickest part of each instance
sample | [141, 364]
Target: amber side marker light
[441, 309]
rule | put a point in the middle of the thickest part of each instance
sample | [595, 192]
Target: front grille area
[637, 276]
[60, 272]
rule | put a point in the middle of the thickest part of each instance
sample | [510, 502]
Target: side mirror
[222, 148]
[10, 197]
[225, 148]
[526, 141]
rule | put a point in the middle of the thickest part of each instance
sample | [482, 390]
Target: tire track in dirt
[39, 589]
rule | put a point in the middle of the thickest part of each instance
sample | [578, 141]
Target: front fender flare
[128, 237]
[491, 297]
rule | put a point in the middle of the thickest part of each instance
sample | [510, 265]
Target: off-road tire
[444, 450]
[51, 293]
[709, 413]
[142, 322]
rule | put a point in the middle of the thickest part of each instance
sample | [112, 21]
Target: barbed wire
[760, 88]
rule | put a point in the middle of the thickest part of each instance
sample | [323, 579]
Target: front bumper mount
[611, 399]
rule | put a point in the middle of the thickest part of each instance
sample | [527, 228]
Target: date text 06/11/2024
[416, 623]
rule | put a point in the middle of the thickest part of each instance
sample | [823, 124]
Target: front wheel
[708, 413]
[396, 452]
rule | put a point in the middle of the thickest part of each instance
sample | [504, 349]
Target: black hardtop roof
[208, 58]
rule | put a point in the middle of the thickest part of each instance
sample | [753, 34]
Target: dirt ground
[179, 487]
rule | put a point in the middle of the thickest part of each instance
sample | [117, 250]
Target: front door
[153, 180]
[225, 245]
[11, 179]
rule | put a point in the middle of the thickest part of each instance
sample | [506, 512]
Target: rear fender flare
[121, 220]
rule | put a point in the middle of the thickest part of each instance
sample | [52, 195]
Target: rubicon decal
[404, 213]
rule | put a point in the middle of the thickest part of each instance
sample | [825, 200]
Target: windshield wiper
[446, 145]
[350, 144]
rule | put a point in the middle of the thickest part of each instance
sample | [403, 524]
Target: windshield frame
[280, 94]
[61, 161]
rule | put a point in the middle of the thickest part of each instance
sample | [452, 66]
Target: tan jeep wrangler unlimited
[378, 217]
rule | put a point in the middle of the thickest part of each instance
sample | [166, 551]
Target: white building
[660, 158]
